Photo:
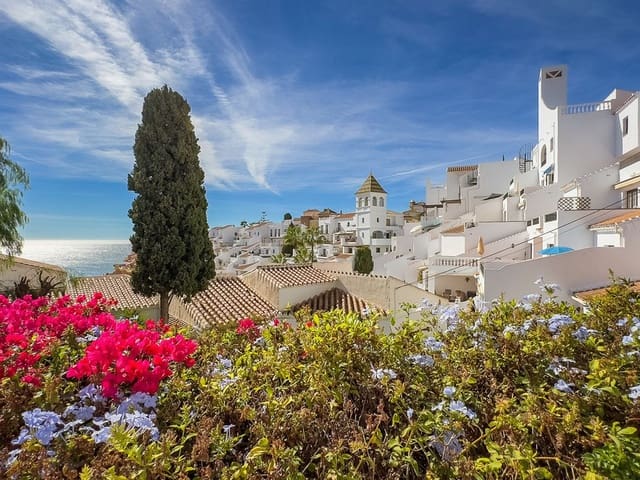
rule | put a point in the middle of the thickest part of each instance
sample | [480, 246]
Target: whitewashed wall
[574, 271]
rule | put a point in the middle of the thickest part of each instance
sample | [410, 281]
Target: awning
[549, 169]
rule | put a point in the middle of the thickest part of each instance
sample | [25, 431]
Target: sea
[80, 258]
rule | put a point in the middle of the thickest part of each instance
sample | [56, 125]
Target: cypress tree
[363, 261]
[170, 232]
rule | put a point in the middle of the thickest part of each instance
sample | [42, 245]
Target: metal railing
[585, 108]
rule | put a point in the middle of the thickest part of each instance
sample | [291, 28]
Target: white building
[375, 225]
[588, 164]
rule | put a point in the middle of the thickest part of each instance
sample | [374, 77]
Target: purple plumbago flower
[559, 321]
[460, 407]
[102, 435]
[433, 345]
[422, 360]
[92, 393]
[22, 437]
[531, 298]
[563, 386]
[80, 412]
[583, 333]
[449, 391]
[380, 373]
[43, 424]
[627, 340]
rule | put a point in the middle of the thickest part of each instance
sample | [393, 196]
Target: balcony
[458, 265]
[586, 108]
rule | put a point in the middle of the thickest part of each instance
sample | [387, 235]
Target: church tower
[371, 211]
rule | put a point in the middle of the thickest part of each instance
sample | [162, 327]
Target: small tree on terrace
[12, 176]
[363, 261]
[170, 233]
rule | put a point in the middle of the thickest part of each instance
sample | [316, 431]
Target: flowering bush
[30, 328]
[132, 356]
[46, 343]
[530, 389]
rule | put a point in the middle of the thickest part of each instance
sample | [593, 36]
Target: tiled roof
[227, 299]
[33, 263]
[333, 299]
[327, 212]
[356, 274]
[587, 295]
[371, 185]
[345, 215]
[625, 217]
[458, 229]
[116, 287]
[293, 275]
[463, 168]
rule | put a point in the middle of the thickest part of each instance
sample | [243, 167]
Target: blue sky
[294, 102]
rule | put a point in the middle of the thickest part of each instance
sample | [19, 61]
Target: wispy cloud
[257, 130]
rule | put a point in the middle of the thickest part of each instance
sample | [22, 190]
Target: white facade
[375, 225]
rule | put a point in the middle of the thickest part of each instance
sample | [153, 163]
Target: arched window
[543, 155]
[374, 201]
[359, 202]
[381, 202]
[366, 201]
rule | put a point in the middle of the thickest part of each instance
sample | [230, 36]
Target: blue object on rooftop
[555, 250]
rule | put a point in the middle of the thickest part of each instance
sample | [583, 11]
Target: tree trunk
[165, 299]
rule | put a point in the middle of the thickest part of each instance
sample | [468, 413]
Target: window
[551, 217]
[551, 145]
[548, 179]
[366, 201]
[535, 221]
[528, 223]
[625, 126]
[377, 219]
[388, 222]
[359, 202]
[631, 198]
[374, 201]
[377, 249]
[362, 220]
[543, 155]
[381, 202]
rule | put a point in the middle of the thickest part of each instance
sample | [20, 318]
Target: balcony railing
[574, 203]
[453, 261]
[585, 108]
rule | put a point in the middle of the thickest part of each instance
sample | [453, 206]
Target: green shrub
[531, 389]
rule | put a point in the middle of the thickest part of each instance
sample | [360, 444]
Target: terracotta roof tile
[458, 229]
[116, 287]
[293, 275]
[463, 168]
[345, 215]
[587, 295]
[334, 299]
[33, 263]
[227, 299]
[625, 217]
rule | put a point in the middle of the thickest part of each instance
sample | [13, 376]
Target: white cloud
[255, 132]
